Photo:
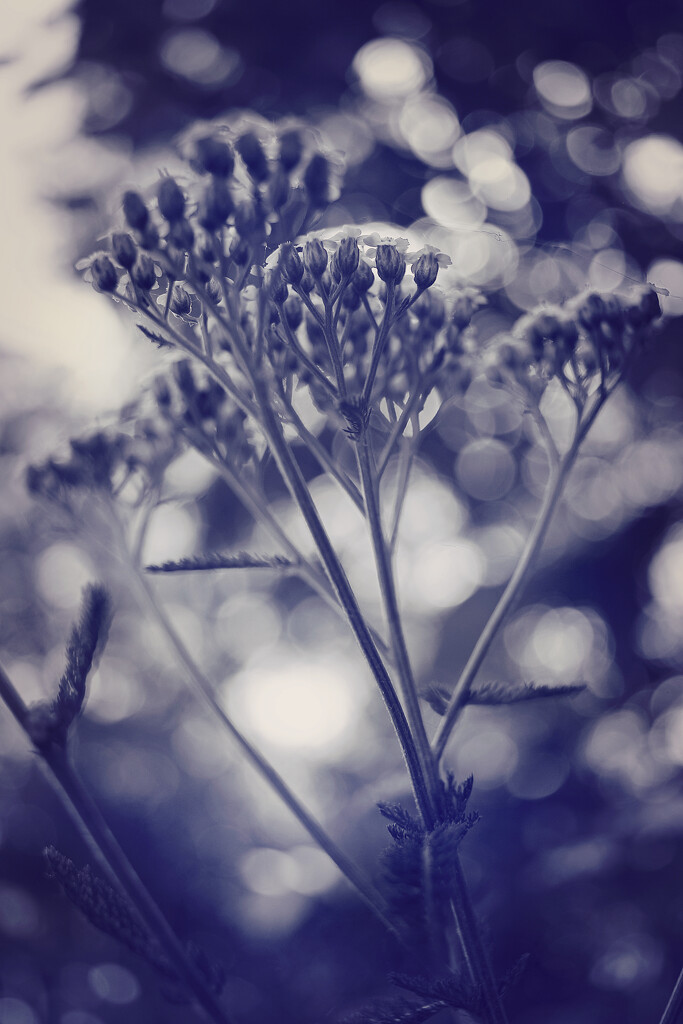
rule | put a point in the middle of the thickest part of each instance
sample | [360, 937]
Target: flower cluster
[584, 344]
[218, 268]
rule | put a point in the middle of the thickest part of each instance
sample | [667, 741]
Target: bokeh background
[540, 146]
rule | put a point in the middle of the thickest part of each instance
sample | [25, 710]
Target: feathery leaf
[241, 560]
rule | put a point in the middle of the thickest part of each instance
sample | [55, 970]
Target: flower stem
[672, 1012]
[297, 485]
[113, 860]
[559, 472]
[205, 691]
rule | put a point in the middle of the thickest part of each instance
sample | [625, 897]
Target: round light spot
[592, 149]
[390, 69]
[114, 984]
[485, 469]
[196, 55]
[16, 1011]
[429, 125]
[172, 533]
[63, 570]
[452, 203]
[303, 705]
[445, 575]
[653, 172]
[668, 274]
[563, 88]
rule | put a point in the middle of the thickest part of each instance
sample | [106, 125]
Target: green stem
[113, 860]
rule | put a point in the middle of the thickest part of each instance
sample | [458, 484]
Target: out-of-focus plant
[277, 341]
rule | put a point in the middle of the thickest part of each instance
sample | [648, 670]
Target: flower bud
[149, 237]
[425, 270]
[348, 256]
[278, 190]
[290, 263]
[143, 273]
[181, 303]
[276, 286]
[215, 206]
[251, 151]
[214, 157]
[213, 290]
[181, 235]
[104, 275]
[317, 180]
[351, 299]
[390, 264]
[124, 249]
[363, 279]
[184, 379]
[239, 252]
[171, 200]
[315, 257]
[291, 150]
[162, 393]
[135, 211]
[247, 219]
[293, 311]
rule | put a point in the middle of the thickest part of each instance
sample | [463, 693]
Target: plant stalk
[113, 860]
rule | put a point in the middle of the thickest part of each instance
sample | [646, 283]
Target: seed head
[171, 200]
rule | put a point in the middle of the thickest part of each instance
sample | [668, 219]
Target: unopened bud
[348, 256]
[278, 190]
[104, 275]
[181, 235]
[276, 286]
[124, 249]
[425, 270]
[251, 151]
[215, 206]
[135, 211]
[317, 180]
[363, 279]
[184, 379]
[290, 263]
[171, 200]
[291, 150]
[143, 273]
[239, 252]
[214, 157]
[181, 303]
[315, 257]
[293, 311]
[390, 264]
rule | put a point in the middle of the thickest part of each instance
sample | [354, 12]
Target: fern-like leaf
[240, 560]
[504, 693]
[49, 723]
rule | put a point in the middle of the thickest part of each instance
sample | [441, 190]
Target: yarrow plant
[265, 320]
